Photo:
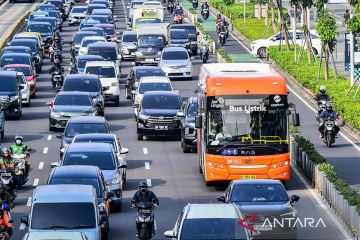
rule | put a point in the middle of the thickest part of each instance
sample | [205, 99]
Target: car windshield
[147, 20]
[190, 30]
[101, 19]
[33, 16]
[52, 22]
[20, 50]
[82, 85]
[150, 40]
[86, 42]
[129, 38]
[77, 180]
[70, 215]
[45, 7]
[258, 193]
[109, 31]
[139, 73]
[100, 140]
[212, 229]
[109, 54]
[161, 102]
[81, 63]
[178, 35]
[101, 71]
[42, 28]
[54, 14]
[25, 70]
[79, 36]
[103, 160]
[73, 129]
[31, 44]
[5, 60]
[134, 4]
[73, 100]
[192, 110]
[147, 87]
[78, 10]
[7, 84]
[175, 55]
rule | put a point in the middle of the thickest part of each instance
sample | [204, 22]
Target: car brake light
[52, 104]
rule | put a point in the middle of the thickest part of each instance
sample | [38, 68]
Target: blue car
[87, 23]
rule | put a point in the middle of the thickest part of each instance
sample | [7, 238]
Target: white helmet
[322, 89]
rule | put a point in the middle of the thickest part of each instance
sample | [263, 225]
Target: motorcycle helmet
[143, 187]
[18, 140]
[56, 62]
[322, 89]
[329, 106]
[5, 152]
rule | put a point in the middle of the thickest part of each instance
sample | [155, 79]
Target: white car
[176, 63]
[77, 14]
[25, 92]
[109, 77]
[88, 40]
[258, 47]
[147, 84]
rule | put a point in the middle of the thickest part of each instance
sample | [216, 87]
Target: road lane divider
[41, 165]
[49, 137]
[28, 203]
[148, 182]
[147, 165]
[22, 226]
[36, 182]
[45, 151]
[145, 150]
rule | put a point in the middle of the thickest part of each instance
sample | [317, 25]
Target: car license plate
[248, 177]
[149, 59]
[6, 174]
[161, 127]
[263, 228]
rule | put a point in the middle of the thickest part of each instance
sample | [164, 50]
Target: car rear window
[146, 87]
[42, 28]
[78, 10]
[108, 54]
[161, 102]
[77, 180]
[7, 84]
[73, 129]
[129, 38]
[82, 85]
[103, 160]
[139, 73]
[25, 70]
[101, 71]
[5, 60]
[73, 100]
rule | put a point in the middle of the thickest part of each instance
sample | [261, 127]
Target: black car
[81, 125]
[44, 28]
[269, 200]
[35, 50]
[160, 114]
[67, 105]
[80, 62]
[76, 41]
[188, 131]
[54, 22]
[16, 49]
[136, 73]
[87, 83]
[179, 38]
[10, 93]
[84, 175]
[192, 34]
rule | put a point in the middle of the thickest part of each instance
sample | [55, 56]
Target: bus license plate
[161, 127]
[248, 177]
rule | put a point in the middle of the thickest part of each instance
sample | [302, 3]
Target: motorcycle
[222, 38]
[56, 80]
[178, 19]
[329, 132]
[204, 53]
[170, 7]
[55, 53]
[205, 13]
[145, 217]
[7, 178]
[195, 4]
[20, 168]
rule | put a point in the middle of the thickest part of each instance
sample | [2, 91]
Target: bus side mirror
[198, 121]
[295, 118]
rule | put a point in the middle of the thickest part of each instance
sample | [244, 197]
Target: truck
[151, 39]
[147, 14]
[243, 122]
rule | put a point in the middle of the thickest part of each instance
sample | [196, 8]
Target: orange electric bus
[242, 122]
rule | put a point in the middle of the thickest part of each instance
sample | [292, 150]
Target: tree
[327, 29]
[273, 15]
[283, 24]
[229, 2]
[266, 12]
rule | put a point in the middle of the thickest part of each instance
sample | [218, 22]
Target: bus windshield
[247, 121]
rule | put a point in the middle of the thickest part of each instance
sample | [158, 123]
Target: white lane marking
[49, 137]
[45, 150]
[148, 182]
[28, 203]
[147, 165]
[155, 226]
[36, 182]
[145, 150]
[41, 165]
[22, 226]
[322, 205]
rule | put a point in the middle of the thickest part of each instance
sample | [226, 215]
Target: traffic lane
[343, 155]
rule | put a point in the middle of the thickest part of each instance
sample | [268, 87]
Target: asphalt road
[173, 175]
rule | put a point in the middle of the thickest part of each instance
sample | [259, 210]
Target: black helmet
[56, 61]
[143, 187]
[329, 106]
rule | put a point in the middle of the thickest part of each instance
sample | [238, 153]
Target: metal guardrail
[347, 213]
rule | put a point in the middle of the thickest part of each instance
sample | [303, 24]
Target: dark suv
[191, 32]
[188, 131]
[10, 93]
[160, 114]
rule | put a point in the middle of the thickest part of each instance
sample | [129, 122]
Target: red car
[29, 73]
[110, 33]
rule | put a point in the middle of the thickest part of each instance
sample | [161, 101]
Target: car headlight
[144, 117]
[14, 98]
[159, 53]
[138, 54]
[189, 65]
[55, 114]
[113, 181]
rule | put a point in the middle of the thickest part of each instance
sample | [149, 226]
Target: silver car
[77, 14]
[128, 44]
[176, 63]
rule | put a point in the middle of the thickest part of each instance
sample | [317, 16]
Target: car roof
[157, 79]
[64, 193]
[85, 32]
[69, 93]
[38, 23]
[8, 73]
[104, 10]
[81, 76]
[101, 25]
[177, 30]
[93, 37]
[75, 171]
[182, 25]
[174, 49]
[146, 67]
[256, 181]
[211, 210]
[89, 147]
[18, 65]
[88, 119]
[109, 136]
[104, 44]
[100, 63]
[162, 93]
[24, 40]
[92, 28]
[15, 54]
[79, 6]
[47, 17]
[91, 56]
[17, 47]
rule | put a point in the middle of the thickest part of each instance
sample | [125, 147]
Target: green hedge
[253, 28]
[192, 11]
[306, 75]
[224, 54]
[233, 11]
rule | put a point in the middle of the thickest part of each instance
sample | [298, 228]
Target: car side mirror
[124, 151]
[180, 114]
[170, 234]
[25, 220]
[59, 136]
[221, 199]
[54, 164]
[295, 119]
[274, 39]
[294, 198]
[198, 121]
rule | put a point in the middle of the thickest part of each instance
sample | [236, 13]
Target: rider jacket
[179, 11]
[56, 68]
[18, 149]
[5, 219]
[322, 97]
[7, 163]
[328, 114]
[149, 196]
[204, 6]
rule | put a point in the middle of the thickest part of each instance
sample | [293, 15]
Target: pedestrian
[346, 17]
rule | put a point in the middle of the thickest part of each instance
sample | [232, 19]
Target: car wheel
[127, 93]
[185, 148]
[140, 136]
[117, 101]
[315, 51]
[262, 52]
[51, 129]
[2, 134]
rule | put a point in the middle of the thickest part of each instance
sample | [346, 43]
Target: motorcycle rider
[328, 113]
[20, 148]
[144, 195]
[57, 68]
[6, 221]
[205, 42]
[5, 196]
[179, 10]
[218, 18]
[6, 161]
[205, 5]
[322, 95]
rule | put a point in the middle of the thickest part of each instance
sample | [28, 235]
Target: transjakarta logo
[218, 103]
[249, 223]
[277, 99]
[247, 109]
